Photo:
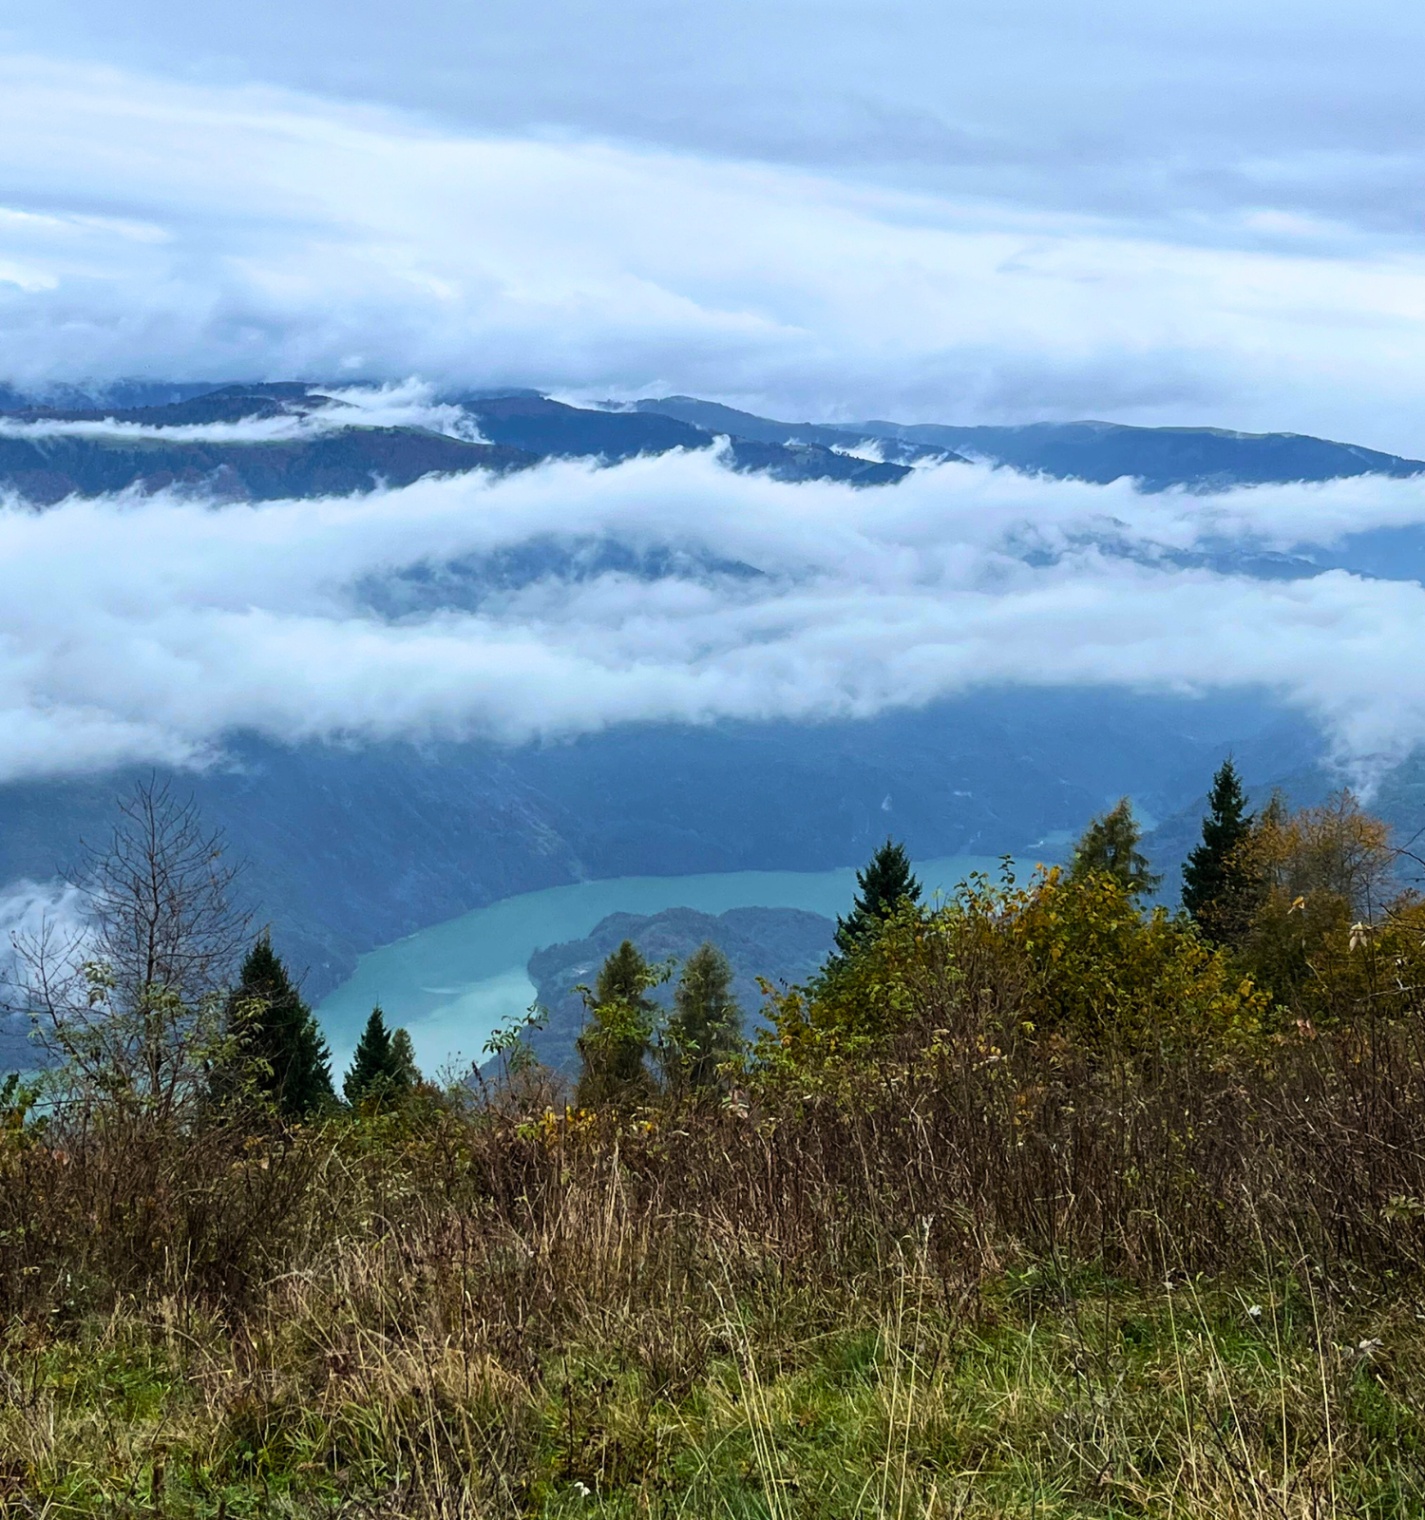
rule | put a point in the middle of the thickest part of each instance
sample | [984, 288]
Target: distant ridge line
[521, 426]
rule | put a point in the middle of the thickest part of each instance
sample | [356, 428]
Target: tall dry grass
[474, 1309]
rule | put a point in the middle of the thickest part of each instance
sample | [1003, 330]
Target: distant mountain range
[46, 465]
[517, 430]
[353, 847]
[1200, 458]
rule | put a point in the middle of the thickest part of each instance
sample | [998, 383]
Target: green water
[451, 984]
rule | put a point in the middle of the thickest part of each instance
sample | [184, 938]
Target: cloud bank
[154, 227]
[146, 629]
[409, 404]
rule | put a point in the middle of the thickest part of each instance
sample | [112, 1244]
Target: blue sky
[1204, 213]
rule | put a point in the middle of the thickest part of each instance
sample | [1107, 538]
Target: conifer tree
[614, 1046]
[1217, 885]
[883, 886]
[403, 1058]
[1109, 847]
[706, 1027]
[380, 1071]
[278, 1047]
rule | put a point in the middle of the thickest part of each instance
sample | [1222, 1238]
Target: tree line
[1285, 916]
[1283, 913]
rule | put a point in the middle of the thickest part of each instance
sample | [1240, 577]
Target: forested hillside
[417, 835]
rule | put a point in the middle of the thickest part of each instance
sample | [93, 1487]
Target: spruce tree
[706, 1027]
[883, 886]
[1109, 847]
[403, 1058]
[1216, 875]
[383, 1067]
[614, 1046]
[279, 1051]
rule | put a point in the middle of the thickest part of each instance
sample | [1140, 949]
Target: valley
[450, 985]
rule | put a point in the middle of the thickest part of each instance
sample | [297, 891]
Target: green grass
[1115, 1403]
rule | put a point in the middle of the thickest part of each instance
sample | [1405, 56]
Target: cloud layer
[147, 629]
[410, 404]
[155, 227]
[1155, 111]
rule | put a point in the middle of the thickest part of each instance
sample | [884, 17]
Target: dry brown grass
[954, 1285]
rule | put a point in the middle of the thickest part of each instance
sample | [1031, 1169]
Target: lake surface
[452, 984]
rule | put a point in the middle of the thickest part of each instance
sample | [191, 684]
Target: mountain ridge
[517, 428]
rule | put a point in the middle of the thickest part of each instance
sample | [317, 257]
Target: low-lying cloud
[35, 913]
[407, 404]
[147, 629]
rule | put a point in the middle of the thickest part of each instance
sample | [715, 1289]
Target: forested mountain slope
[348, 848]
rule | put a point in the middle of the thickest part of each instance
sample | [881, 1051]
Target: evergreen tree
[1217, 885]
[884, 885]
[614, 1046]
[403, 1057]
[278, 1048]
[1109, 847]
[706, 1027]
[381, 1070]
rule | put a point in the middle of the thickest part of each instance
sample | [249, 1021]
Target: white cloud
[408, 404]
[31, 913]
[147, 629]
[1161, 111]
[28, 907]
[160, 228]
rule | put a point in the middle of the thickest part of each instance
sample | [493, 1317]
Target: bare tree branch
[131, 1006]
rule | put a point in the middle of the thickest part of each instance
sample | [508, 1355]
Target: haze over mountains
[416, 650]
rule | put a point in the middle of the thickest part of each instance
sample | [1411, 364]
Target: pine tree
[1109, 847]
[614, 1046]
[383, 1066]
[885, 885]
[706, 1027]
[278, 1048]
[403, 1058]
[1217, 885]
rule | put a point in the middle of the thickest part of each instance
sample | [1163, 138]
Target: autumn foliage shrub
[1057, 964]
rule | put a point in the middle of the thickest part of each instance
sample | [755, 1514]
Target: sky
[1203, 213]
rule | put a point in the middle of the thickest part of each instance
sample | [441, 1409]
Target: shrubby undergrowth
[1035, 1202]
